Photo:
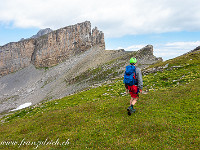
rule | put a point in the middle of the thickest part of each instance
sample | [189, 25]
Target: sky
[171, 26]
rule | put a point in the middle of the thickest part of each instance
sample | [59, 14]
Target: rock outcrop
[59, 45]
[42, 32]
[39, 34]
[146, 55]
[14, 56]
[50, 49]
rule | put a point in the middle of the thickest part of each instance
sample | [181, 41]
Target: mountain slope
[166, 118]
[33, 85]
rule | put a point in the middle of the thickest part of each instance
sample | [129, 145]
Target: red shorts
[133, 90]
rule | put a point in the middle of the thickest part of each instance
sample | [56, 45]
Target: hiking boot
[129, 108]
[129, 113]
[132, 110]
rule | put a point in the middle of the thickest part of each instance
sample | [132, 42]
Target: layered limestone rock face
[50, 49]
[59, 45]
[14, 56]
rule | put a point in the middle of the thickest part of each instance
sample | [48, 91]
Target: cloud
[174, 49]
[114, 17]
[182, 45]
[168, 50]
[134, 47]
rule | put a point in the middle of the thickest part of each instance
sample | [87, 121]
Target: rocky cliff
[59, 45]
[14, 56]
[50, 49]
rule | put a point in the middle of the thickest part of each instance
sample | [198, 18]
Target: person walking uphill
[133, 83]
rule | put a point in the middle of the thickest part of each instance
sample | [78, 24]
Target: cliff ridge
[50, 49]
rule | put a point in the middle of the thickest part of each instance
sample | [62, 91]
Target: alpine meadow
[167, 115]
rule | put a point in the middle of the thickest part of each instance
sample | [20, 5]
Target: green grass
[191, 58]
[166, 118]
[103, 72]
[183, 69]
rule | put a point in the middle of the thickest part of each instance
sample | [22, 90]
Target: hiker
[133, 83]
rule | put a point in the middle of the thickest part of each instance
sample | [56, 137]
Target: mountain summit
[42, 32]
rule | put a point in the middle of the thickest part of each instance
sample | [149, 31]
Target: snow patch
[22, 106]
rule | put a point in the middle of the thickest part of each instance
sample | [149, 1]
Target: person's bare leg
[133, 101]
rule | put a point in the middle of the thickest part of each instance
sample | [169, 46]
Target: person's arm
[139, 77]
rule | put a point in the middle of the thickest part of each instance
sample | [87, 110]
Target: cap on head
[133, 60]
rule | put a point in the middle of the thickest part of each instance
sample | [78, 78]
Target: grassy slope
[104, 72]
[166, 118]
